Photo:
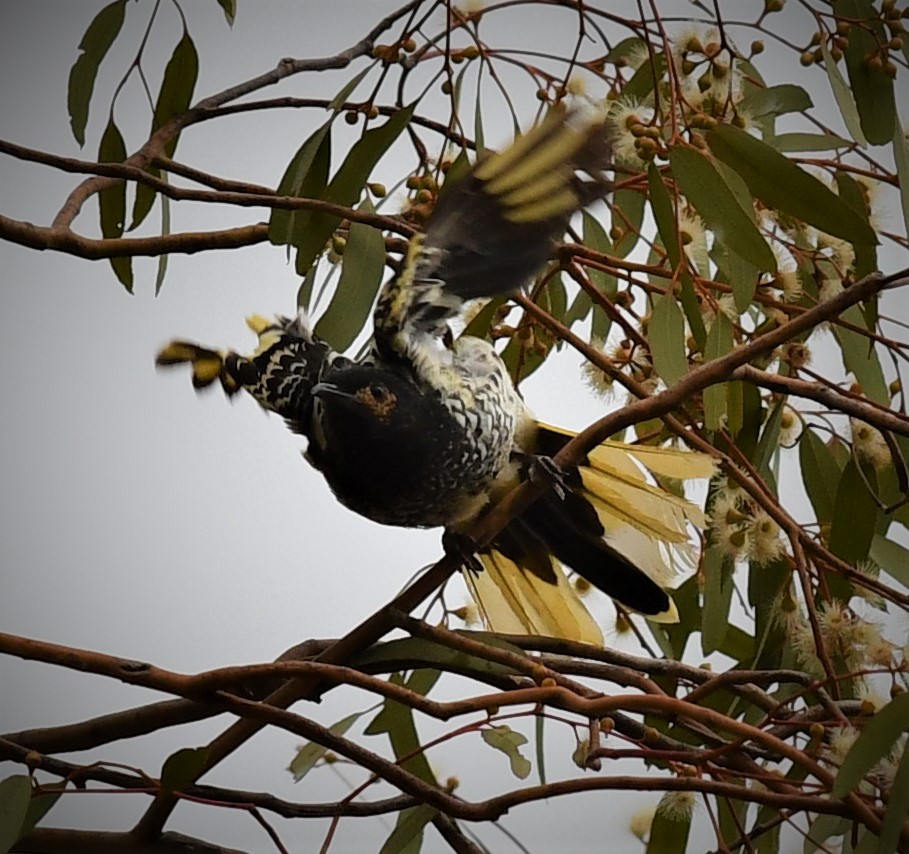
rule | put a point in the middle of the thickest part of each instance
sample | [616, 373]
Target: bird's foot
[462, 548]
[544, 471]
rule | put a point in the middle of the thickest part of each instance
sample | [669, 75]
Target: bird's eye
[379, 393]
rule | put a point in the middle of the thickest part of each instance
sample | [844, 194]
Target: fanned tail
[493, 230]
[612, 526]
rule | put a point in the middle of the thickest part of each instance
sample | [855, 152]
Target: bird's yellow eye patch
[378, 399]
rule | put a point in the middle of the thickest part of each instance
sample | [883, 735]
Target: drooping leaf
[306, 176]
[820, 474]
[876, 740]
[112, 200]
[719, 343]
[347, 184]
[668, 832]
[897, 808]
[504, 738]
[407, 836]
[901, 159]
[38, 807]
[719, 208]
[177, 87]
[891, 557]
[824, 827]
[871, 85]
[780, 184]
[15, 795]
[540, 744]
[666, 336]
[183, 767]
[844, 97]
[661, 203]
[230, 10]
[162, 259]
[628, 216]
[646, 78]
[396, 720]
[174, 98]
[96, 42]
[717, 598]
[362, 267]
[310, 753]
[596, 238]
[860, 357]
[865, 253]
[855, 515]
[348, 88]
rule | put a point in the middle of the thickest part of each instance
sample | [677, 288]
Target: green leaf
[719, 343]
[311, 752]
[363, 264]
[844, 98]
[897, 808]
[594, 236]
[504, 738]
[809, 142]
[348, 88]
[177, 87]
[182, 768]
[820, 474]
[540, 744]
[645, 78]
[865, 253]
[306, 176]
[891, 557]
[719, 208]
[860, 357]
[95, 44]
[769, 442]
[162, 259]
[666, 335]
[173, 99]
[668, 834]
[407, 837]
[776, 100]
[822, 828]
[304, 292]
[877, 739]
[717, 598]
[348, 183]
[15, 796]
[230, 10]
[872, 87]
[780, 184]
[38, 807]
[144, 199]
[901, 158]
[855, 515]
[628, 215]
[396, 720]
[112, 200]
[661, 203]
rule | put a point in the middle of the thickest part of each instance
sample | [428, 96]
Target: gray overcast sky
[140, 520]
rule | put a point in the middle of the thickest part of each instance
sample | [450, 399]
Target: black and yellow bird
[428, 429]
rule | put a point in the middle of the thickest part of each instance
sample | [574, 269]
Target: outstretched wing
[494, 228]
[280, 374]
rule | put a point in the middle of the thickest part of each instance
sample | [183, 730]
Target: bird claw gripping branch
[427, 429]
